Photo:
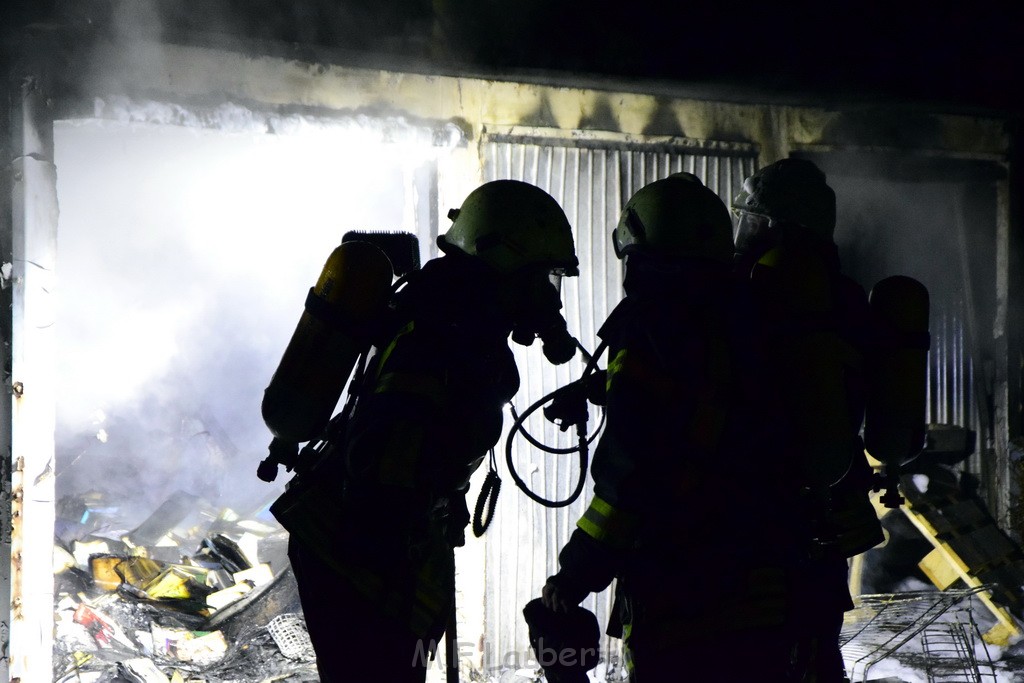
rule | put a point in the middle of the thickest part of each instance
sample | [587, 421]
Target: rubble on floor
[920, 635]
[192, 594]
[199, 594]
[941, 598]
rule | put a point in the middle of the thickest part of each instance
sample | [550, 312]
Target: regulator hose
[583, 451]
[491, 486]
[579, 388]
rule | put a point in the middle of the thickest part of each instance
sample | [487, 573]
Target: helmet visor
[749, 226]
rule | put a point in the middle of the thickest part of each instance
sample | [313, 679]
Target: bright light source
[184, 257]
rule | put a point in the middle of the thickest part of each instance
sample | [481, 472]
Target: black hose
[488, 495]
[584, 441]
[491, 486]
[583, 451]
[518, 421]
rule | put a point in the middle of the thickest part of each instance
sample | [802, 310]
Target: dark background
[963, 56]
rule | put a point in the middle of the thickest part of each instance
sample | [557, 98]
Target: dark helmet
[790, 191]
[511, 225]
[520, 231]
[675, 218]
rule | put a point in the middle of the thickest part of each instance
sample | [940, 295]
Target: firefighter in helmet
[373, 524]
[683, 515]
[811, 327]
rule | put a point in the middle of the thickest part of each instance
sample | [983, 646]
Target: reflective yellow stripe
[615, 365]
[391, 347]
[627, 651]
[637, 369]
[603, 522]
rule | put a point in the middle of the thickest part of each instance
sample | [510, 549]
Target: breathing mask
[752, 230]
[536, 304]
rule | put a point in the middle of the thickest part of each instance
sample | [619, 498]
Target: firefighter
[373, 524]
[686, 514]
[812, 327]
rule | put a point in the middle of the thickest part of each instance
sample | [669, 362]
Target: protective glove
[562, 592]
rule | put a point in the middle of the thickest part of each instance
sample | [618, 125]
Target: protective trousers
[352, 638]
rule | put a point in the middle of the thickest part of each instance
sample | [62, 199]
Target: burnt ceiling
[828, 52]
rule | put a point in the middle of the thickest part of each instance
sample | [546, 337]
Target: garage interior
[178, 172]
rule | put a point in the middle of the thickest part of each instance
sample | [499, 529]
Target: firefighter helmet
[511, 225]
[675, 218]
[790, 191]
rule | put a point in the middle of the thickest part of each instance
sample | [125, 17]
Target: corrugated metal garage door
[952, 391]
[950, 368]
[591, 180]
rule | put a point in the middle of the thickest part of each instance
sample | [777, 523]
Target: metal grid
[292, 638]
[933, 632]
[951, 652]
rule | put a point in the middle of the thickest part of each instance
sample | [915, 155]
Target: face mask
[751, 228]
[537, 315]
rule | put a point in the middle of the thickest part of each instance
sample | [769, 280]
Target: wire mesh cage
[290, 634]
[930, 632]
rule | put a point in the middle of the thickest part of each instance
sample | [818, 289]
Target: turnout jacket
[813, 332]
[386, 505]
[687, 513]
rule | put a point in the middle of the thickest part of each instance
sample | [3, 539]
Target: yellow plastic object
[110, 571]
[176, 582]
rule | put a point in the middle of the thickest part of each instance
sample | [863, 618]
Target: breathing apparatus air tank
[894, 421]
[333, 330]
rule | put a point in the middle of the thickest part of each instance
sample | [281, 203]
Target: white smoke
[184, 256]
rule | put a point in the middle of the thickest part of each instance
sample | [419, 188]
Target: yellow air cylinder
[894, 420]
[353, 289]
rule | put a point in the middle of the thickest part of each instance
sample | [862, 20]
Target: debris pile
[945, 535]
[190, 594]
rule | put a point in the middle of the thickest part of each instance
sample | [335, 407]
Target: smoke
[883, 225]
[184, 256]
[189, 234]
[934, 224]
